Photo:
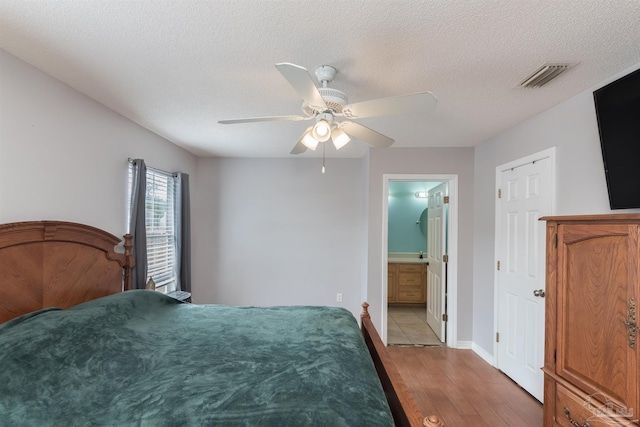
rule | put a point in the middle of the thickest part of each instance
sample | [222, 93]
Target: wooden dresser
[591, 343]
[407, 283]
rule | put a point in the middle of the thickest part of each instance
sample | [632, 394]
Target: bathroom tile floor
[408, 326]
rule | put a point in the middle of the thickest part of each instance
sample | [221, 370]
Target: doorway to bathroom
[419, 280]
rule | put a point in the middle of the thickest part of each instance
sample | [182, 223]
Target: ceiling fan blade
[403, 104]
[264, 119]
[299, 148]
[369, 136]
[299, 78]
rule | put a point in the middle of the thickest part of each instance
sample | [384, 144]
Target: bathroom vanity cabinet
[407, 283]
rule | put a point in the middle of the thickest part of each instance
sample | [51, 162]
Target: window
[161, 229]
[160, 224]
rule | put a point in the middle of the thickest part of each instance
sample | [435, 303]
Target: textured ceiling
[177, 67]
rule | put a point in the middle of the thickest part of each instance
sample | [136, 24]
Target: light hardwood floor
[464, 390]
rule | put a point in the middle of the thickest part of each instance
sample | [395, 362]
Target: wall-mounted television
[618, 111]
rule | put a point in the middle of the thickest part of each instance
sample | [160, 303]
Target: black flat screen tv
[618, 111]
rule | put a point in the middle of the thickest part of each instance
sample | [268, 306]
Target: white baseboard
[464, 345]
[482, 353]
[470, 345]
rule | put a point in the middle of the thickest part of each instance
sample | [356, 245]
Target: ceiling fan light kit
[339, 137]
[308, 140]
[325, 104]
[321, 130]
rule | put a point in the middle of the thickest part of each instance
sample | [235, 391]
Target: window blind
[160, 218]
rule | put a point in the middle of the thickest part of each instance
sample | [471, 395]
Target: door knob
[539, 293]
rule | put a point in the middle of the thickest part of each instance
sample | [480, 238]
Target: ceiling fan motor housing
[325, 74]
[334, 98]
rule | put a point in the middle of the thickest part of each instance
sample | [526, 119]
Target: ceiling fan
[328, 107]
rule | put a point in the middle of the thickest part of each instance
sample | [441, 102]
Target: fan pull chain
[324, 146]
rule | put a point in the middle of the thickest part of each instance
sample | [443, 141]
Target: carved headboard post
[130, 261]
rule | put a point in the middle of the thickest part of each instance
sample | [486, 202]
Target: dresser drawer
[569, 405]
[584, 411]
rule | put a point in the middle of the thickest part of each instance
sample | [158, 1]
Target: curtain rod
[173, 174]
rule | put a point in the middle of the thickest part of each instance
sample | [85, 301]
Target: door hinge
[498, 265]
[445, 317]
[499, 193]
[445, 258]
[497, 336]
[446, 199]
[554, 356]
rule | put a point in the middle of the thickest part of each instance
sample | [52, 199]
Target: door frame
[547, 153]
[452, 268]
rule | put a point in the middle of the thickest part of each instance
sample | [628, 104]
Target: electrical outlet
[339, 297]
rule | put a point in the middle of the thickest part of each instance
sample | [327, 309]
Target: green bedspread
[141, 358]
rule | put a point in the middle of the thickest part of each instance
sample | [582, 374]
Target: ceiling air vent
[544, 74]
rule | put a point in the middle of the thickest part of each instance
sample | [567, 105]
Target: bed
[77, 347]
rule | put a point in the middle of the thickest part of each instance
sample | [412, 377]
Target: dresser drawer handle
[630, 323]
[572, 421]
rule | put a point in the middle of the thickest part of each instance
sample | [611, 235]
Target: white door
[525, 195]
[436, 250]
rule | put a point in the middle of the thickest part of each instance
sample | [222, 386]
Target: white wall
[261, 237]
[63, 156]
[454, 161]
[581, 186]
[279, 232]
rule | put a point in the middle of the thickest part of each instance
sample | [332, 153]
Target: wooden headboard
[58, 264]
